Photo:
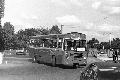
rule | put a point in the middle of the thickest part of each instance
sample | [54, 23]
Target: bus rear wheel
[76, 65]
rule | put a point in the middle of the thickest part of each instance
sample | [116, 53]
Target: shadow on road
[57, 65]
[49, 64]
[62, 66]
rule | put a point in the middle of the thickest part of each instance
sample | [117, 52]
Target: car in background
[101, 71]
[101, 52]
[20, 52]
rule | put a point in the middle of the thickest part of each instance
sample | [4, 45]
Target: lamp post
[110, 40]
[62, 29]
[108, 21]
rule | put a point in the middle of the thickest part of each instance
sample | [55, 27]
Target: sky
[95, 18]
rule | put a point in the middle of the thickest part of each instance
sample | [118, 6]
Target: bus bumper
[78, 61]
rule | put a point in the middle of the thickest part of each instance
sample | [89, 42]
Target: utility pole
[110, 40]
[0, 23]
[62, 29]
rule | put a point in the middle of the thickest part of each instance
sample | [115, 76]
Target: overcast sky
[96, 18]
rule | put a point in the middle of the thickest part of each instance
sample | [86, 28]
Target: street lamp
[107, 21]
[62, 29]
[110, 40]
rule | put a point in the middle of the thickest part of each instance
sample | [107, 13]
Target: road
[104, 57]
[18, 67]
[22, 69]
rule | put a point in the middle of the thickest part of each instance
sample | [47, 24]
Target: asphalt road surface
[19, 67]
[23, 69]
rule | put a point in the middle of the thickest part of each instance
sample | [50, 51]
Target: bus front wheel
[34, 59]
[53, 61]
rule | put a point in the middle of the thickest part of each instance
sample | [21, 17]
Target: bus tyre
[53, 61]
[76, 65]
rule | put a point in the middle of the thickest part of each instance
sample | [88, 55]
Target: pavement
[93, 59]
[104, 57]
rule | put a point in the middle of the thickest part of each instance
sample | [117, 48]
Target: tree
[44, 31]
[9, 28]
[92, 43]
[2, 2]
[1, 30]
[115, 43]
[2, 40]
[8, 34]
[24, 35]
[105, 45]
[55, 30]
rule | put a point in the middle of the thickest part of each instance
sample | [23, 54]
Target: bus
[64, 49]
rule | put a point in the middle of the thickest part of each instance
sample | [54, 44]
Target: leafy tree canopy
[9, 28]
[55, 30]
[92, 42]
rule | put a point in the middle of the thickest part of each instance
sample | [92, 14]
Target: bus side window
[59, 45]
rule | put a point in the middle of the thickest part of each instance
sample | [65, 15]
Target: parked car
[20, 52]
[101, 71]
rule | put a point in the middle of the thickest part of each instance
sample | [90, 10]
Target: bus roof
[71, 35]
[48, 36]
